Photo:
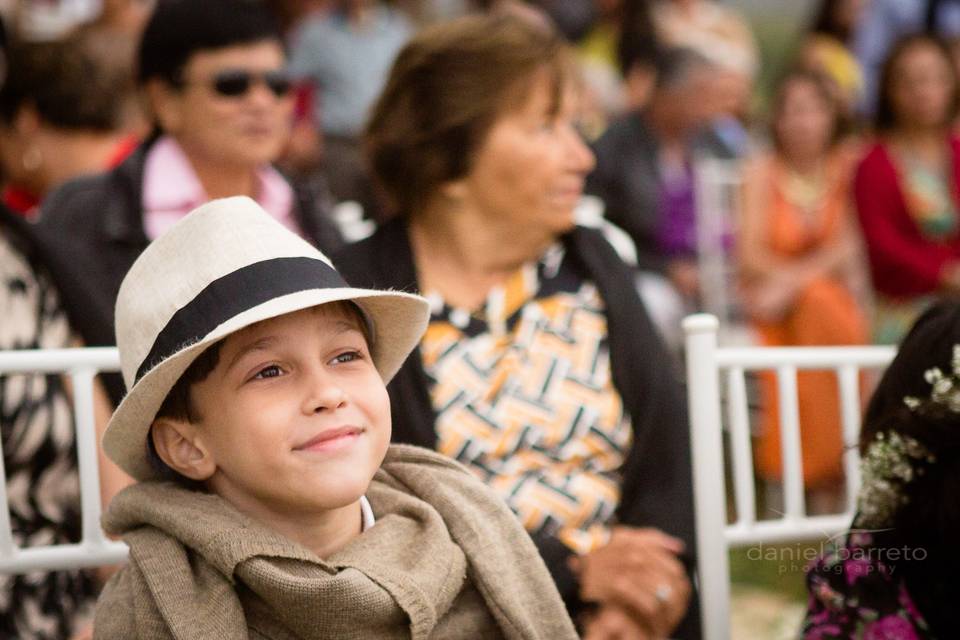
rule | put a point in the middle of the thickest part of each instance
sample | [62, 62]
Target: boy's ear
[178, 445]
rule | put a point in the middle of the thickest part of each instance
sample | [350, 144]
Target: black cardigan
[90, 232]
[657, 490]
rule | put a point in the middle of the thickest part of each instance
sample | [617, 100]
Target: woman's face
[805, 120]
[847, 13]
[242, 128]
[531, 167]
[921, 87]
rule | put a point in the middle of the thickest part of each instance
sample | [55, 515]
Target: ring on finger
[663, 593]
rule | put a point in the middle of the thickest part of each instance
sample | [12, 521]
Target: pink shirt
[171, 190]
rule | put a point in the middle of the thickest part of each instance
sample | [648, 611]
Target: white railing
[706, 365]
[94, 548]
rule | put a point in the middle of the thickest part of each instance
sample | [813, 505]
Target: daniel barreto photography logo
[851, 551]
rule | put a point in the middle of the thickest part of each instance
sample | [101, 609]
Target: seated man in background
[644, 170]
[213, 74]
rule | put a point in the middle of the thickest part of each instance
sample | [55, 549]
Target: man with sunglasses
[213, 75]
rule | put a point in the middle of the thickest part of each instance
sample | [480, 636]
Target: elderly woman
[213, 74]
[540, 370]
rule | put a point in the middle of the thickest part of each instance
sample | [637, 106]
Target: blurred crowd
[664, 85]
[841, 227]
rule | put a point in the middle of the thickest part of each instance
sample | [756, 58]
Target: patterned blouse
[40, 458]
[854, 595]
[524, 396]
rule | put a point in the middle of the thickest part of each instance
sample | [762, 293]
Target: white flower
[932, 376]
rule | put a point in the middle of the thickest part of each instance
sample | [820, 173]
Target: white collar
[366, 514]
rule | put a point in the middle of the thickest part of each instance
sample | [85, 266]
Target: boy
[256, 388]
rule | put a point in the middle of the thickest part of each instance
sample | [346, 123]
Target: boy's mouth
[331, 439]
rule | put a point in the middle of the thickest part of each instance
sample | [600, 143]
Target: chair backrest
[706, 365]
[94, 548]
[717, 189]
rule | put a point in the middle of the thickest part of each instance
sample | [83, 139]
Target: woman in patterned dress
[39, 451]
[540, 371]
[803, 280]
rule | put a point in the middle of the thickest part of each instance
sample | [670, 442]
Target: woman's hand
[769, 300]
[639, 572]
[612, 622]
[684, 274]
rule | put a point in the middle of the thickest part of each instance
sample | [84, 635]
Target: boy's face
[295, 416]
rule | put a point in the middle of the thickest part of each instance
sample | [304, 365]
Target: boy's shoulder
[161, 588]
[456, 493]
[412, 454]
[406, 462]
[186, 548]
[116, 612]
[158, 520]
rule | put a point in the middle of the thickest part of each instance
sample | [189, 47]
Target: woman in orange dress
[803, 279]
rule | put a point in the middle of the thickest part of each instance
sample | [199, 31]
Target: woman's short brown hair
[826, 91]
[446, 89]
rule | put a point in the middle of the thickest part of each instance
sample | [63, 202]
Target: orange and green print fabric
[525, 399]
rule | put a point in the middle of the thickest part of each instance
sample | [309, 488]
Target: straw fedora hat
[223, 267]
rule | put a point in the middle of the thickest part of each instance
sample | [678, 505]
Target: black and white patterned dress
[39, 454]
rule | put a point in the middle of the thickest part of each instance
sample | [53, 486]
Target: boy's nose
[322, 394]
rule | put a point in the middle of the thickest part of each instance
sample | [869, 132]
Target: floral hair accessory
[891, 460]
[946, 388]
[887, 466]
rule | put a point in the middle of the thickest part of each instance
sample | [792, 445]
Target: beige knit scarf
[446, 559]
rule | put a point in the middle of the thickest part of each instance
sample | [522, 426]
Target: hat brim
[398, 322]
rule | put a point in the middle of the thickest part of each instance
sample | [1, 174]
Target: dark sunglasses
[233, 83]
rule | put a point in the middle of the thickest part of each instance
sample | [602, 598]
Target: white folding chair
[717, 187]
[706, 363]
[94, 548]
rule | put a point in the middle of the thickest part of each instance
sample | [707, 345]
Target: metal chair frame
[94, 548]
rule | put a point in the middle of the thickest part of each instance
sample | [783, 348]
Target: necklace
[805, 191]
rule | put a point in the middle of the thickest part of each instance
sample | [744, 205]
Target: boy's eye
[268, 372]
[348, 356]
[547, 126]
